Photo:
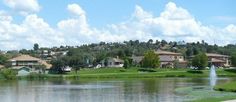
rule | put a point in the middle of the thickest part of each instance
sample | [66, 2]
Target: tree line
[92, 54]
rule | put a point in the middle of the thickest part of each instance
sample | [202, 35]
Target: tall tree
[200, 61]
[233, 59]
[150, 60]
[3, 59]
[126, 63]
[36, 46]
[163, 43]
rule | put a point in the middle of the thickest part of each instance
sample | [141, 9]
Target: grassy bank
[130, 73]
[229, 87]
[136, 73]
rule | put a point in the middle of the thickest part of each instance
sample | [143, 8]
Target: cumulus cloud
[32, 30]
[75, 9]
[23, 6]
[174, 24]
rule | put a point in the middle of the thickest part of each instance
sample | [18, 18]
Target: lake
[109, 90]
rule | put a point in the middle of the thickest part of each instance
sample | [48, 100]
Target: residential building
[218, 60]
[113, 62]
[136, 60]
[28, 61]
[167, 59]
[171, 59]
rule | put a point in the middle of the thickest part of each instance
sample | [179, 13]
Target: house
[218, 60]
[113, 62]
[136, 59]
[28, 61]
[167, 59]
[171, 59]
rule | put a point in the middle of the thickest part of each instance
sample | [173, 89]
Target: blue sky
[103, 12]
[114, 20]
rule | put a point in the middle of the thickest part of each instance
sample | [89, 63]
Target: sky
[77, 22]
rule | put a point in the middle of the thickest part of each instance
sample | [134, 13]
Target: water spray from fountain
[213, 76]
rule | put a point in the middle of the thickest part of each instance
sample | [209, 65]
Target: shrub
[230, 70]
[126, 63]
[9, 74]
[195, 71]
[35, 76]
[146, 70]
[170, 75]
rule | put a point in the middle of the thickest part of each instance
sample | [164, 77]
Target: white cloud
[174, 23]
[32, 30]
[75, 9]
[23, 6]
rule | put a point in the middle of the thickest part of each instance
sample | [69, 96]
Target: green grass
[205, 94]
[230, 87]
[130, 73]
[134, 73]
[216, 99]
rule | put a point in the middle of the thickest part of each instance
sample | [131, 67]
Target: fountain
[213, 76]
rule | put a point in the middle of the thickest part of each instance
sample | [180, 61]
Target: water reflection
[135, 90]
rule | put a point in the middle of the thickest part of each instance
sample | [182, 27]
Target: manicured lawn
[136, 73]
[230, 87]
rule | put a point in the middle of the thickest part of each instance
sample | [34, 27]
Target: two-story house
[167, 59]
[171, 59]
[27, 61]
[218, 60]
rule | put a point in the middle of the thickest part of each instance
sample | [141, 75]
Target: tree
[233, 59]
[57, 66]
[189, 52]
[3, 59]
[36, 47]
[150, 41]
[163, 43]
[150, 60]
[126, 63]
[195, 51]
[200, 61]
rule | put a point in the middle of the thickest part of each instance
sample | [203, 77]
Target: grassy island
[229, 87]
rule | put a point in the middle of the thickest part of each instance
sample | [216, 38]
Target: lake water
[123, 90]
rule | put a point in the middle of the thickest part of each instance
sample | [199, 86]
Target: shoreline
[120, 73]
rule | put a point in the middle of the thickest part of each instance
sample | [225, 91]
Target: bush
[168, 75]
[32, 76]
[126, 64]
[146, 70]
[9, 74]
[195, 71]
[230, 70]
